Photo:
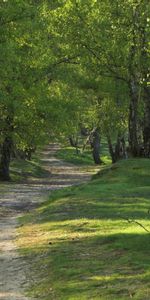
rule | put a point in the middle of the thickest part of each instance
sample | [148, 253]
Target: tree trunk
[134, 84]
[133, 119]
[146, 131]
[111, 150]
[74, 144]
[5, 159]
[120, 148]
[117, 148]
[145, 74]
[95, 145]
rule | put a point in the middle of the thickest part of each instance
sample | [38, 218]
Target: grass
[25, 169]
[69, 154]
[21, 170]
[80, 244]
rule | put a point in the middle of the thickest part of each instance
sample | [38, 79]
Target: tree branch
[108, 67]
[136, 222]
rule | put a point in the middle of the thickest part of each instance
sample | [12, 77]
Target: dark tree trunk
[74, 143]
[120, 148]
[133, 119]
[124, 150]
[111, 150]
[5, 159]
[95, 145]
[144, 36]
[146, 131]
[134, 85]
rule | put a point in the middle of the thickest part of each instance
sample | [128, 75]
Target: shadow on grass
[102, 207]
[22, 169]
[111, 267]
[88, 250]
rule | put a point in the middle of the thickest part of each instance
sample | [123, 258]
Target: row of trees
[72, 64]
[111, 42]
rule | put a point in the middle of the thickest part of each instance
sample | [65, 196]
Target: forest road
[15, 200]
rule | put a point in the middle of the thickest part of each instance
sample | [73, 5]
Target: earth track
[15, 200]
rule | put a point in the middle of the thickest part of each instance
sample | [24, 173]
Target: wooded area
[75, 149]
[72, 66]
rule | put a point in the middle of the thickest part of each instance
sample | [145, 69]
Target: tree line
[69, 65]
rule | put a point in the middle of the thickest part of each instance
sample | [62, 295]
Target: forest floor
[19, 198]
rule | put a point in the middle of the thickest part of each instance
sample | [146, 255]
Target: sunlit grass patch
[87, 242]
[71, 155]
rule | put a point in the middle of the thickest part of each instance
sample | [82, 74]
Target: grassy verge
[81, 243]
[69, 154]
[25, 169]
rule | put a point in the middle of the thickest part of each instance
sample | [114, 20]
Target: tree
[67, 63]
[24, 99]
[110, 40]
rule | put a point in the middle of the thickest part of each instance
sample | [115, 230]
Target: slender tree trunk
[120, 148]
[88, 141]
[111, 150]
[146, 131]
[117, 148]
[144, 38]
[133, 119]
[124, 150]
[74, 144]
[134, 84]
[95, 145]
[5, 159]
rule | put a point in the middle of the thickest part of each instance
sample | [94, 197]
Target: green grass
[25, 169]
[69, 154]
[80, 245]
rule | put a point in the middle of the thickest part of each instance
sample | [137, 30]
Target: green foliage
[67, 63]
[106, 45]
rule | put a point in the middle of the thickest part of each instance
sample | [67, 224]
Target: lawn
[92, 241]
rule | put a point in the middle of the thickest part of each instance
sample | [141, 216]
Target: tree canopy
[67, 64]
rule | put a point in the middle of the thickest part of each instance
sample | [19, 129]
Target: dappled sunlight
[88, 263]
[92, 240]
[100, 207]
[12, 295]
[91, 234]
[17, 198]
[125, 273]
[53, 233]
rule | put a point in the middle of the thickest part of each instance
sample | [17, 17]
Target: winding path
[16, 199]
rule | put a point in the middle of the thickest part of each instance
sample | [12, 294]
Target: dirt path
[15, 199]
